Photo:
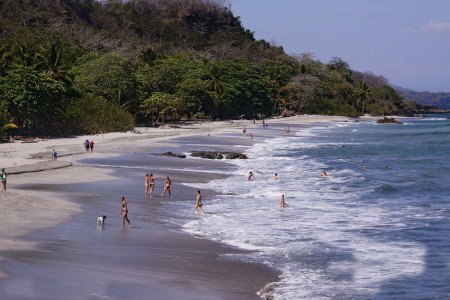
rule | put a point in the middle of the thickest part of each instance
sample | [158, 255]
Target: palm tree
[49, 60]
[361, 93]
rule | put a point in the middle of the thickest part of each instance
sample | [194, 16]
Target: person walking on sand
[86, 145]
[54, 155]
[167, 187]
[91, 145]
[3, 176]
[198, 202]
[124, 213]
[282, 203]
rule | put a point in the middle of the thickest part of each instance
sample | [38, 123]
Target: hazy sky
[407, 41]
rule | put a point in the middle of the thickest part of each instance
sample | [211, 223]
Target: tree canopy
[91, 66]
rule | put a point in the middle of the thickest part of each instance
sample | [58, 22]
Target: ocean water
[362, 232]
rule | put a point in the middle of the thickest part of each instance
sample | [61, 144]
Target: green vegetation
[89, 66]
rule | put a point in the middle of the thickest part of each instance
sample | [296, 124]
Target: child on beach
[3, 180]
[124, 212]
[167, 187]
[198, 202]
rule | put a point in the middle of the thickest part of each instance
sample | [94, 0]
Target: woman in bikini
[167, 187]
[124, 213]
[152, 183]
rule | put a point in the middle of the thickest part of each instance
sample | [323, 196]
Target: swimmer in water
[324, 173]
[276, 177]
[151, 181]
[250, 176]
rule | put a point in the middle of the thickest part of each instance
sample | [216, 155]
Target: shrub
[95, 114]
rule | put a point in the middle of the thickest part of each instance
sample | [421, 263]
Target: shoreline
[139, 142]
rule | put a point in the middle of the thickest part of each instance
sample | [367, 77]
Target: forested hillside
[438, 100]
[90, 66]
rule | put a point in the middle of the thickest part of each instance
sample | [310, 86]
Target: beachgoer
[324, 173]
[86, 145]
[276, 177]
[264, 123]
[124, 212]
[147, 183]
[198, 202]
[3, 176]
[364, 167]
[250, 176]
[282, 203]
[288, 129]
[54, 154]
[244, 130]
[91, 145]
[167, 187]
[386, 167]
[254, 121]
[151, 182]
[251, 136]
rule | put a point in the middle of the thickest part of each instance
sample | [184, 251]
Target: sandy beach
[46, 200]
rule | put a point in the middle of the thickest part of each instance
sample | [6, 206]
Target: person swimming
[324, 173]
[276, 177]
[250, 176]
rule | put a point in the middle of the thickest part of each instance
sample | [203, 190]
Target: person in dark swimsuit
[167, 187]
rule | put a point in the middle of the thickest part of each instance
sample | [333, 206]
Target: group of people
[89, 145]
[251, 177]
[150, 185]
[3, 176]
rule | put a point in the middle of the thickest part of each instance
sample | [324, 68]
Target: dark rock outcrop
[218, 155]
[387, 120]
[173, 154]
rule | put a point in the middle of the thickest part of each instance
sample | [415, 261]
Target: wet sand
[154, 260]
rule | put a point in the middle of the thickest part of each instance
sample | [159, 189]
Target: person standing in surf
[282, 202]
[198, 202]
[152, 183]
[167, 187]
[147, 184]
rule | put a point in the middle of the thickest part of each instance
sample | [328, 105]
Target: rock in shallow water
[218, 155]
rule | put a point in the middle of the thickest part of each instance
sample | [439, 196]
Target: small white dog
[101, 220]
